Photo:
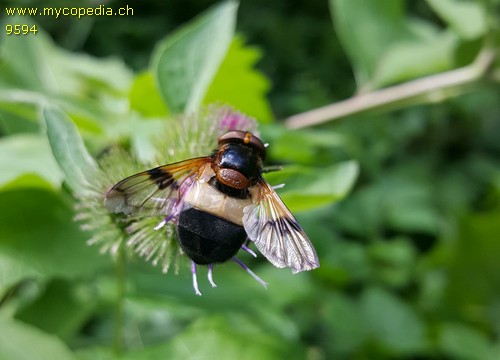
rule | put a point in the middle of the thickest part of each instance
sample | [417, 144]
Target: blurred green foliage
[403, 206]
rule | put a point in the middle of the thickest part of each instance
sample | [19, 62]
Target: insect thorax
[206, 197]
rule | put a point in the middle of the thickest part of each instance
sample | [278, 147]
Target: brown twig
[406, 91]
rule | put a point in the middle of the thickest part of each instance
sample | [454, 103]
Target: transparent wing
[276, 232]
[151, 192]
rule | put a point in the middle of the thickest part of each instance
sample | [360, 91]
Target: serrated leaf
[24, 342]
[27, 154]
[239, 84]
[185, 63]
[68, 149]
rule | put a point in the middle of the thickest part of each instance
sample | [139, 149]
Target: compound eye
[233, 137]
[244, 137]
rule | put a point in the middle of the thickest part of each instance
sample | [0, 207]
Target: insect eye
[244, 137]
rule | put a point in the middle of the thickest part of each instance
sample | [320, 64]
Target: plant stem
[429, 85]
[120, 299]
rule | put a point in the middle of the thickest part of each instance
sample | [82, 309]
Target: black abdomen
[207, 238]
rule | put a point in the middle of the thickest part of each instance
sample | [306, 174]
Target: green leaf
[95, 353]
[359, 210]
[342, 262]
[408, 205]
[38, 238]
[22, 56]
[142, 135]
[467, 18]
[316, 146]
[16, 119]
[394, 261]
[30, 180]
[27, 154]
[144, 96]
[459, 341]
[308, 188]
[36, 63]
[405, 203]
[61, 309]
[76, 74]
[412, 59]
[393, 323]
[366, 30]
[68, 149]
[23, 342]
[239, 84]
[473, 276]
[35, 73]
[346, 324]
[185, 63]
[215, 337]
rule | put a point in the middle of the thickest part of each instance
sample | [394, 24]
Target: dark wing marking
[276, 232]
[151, 192]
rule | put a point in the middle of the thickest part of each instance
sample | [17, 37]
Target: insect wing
[155, 191]
[276, 232]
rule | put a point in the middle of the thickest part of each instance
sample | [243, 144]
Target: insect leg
[164, 222]
[248, 250]
[210, 272]
[247, 269]
[160, 225]
[195, 279]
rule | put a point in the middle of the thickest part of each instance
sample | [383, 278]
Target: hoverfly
[219, 203]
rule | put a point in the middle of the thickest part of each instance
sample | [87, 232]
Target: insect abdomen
[207, 238]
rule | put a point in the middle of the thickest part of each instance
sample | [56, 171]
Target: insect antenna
[271, 168]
